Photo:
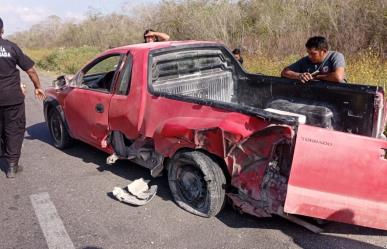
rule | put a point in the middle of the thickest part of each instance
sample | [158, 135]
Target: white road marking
[50, 222]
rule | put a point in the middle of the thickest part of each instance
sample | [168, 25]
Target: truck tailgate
[338, 176]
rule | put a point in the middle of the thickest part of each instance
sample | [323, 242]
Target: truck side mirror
[60, 82]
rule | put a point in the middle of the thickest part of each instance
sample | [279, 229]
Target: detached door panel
[338, 176]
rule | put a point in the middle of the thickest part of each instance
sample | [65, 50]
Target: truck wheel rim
[192, 185]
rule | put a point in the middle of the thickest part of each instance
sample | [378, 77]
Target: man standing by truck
[320, 64]
[12, 108]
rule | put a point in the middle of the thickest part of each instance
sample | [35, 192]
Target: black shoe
[13, 168]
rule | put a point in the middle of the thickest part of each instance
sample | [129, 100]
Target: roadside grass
[62, 60]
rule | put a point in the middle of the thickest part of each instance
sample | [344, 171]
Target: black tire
[58, 130]
[197, 183]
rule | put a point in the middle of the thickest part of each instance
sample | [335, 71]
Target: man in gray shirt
[320, 64]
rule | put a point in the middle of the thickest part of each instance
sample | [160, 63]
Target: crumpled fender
[256, 165]
[213, 135]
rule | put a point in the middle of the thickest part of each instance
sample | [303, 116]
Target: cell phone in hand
[315, 73]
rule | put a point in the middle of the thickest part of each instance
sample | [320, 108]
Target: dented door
[87, 114]
[338, 176]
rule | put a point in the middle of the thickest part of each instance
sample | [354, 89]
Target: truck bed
[210, 77]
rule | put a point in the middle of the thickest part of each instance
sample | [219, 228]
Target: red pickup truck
[271, 145]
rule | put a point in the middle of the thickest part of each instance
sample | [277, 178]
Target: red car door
[338, 176]
[86, 106]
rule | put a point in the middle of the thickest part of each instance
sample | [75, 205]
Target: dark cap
[1, 23]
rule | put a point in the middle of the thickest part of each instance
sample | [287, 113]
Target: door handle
[99, 108]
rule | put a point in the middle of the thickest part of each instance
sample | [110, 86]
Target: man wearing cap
[12, 109]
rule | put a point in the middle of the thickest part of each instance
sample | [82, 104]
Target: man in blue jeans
[320, 64]
[12, 109]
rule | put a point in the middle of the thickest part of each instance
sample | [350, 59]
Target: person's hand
[305, 77]
[39, 94]
[23, 88]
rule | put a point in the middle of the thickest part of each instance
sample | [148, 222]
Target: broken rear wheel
[197, 183]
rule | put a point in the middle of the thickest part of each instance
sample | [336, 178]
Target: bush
[269, 27]
[65, 60]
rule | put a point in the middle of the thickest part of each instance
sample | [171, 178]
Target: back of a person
[10, 92]
[9, 74]
[12, 108]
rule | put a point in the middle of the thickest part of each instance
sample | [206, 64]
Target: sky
[22, 14]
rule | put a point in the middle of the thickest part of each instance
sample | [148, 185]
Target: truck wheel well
[49, 107]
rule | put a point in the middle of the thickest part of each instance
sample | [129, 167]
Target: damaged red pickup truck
[272, 145]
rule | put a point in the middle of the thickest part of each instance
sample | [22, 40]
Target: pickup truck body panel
[80, 108]
[126, 111]
[338, 176]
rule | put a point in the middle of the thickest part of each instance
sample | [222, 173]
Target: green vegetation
[62, 60]
[269, 27]
[267, 31]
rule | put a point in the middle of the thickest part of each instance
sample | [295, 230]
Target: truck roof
[157, 45]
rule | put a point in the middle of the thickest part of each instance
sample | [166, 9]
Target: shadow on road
[3, 166]
[228, 216]
[93, 156]
[330, 238]
[40, 132]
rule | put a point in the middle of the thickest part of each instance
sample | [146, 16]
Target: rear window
[201, 73]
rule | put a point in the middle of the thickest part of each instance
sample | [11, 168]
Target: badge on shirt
[4, 53]
[325, 69]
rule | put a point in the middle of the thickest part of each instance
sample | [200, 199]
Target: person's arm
[287, 73]
[39, 92]
[27, 65]
[336, 76]
[295, 71]
[303, 77]
[160, 35]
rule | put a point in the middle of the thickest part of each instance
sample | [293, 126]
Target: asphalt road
[77, 185]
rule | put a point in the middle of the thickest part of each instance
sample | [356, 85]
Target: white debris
[138, 193]
[112, 159]
[139, 188]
